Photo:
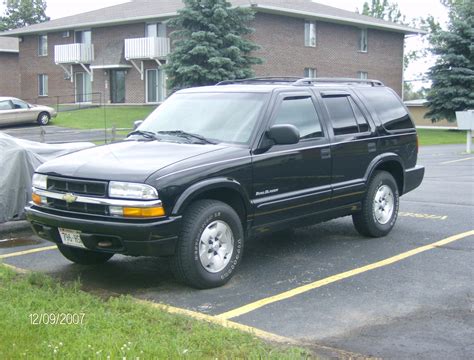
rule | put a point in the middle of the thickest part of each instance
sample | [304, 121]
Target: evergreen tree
[20, 13]
[452, 76]
[210, 44]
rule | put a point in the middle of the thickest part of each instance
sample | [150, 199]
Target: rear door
[293, 181]
[353, 144]
[7, 113]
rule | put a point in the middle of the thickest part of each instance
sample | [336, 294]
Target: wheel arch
[226, 190]
[393, 164]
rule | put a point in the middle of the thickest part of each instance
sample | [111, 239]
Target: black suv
[213, 166]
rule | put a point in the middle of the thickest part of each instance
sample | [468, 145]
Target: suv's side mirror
[136, 124]
[285, 134]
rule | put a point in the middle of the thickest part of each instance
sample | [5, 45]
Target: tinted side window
[5, 105]
[341, 115]
[389, 108]
[361, 120]
[300, 112]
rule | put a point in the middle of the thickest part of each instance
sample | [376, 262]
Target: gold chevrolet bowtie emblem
[69, 198]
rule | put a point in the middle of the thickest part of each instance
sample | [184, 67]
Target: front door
[293, 181]
[83, 87]
[117, 86]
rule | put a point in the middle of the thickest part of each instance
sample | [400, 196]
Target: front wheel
[43, 118]
[82, 256]
[210, 246]
[379, 206]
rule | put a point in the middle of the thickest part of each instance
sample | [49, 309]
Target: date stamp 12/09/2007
[57, 318]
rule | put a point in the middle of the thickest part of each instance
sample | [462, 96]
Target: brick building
[118, 52]
[9, 67]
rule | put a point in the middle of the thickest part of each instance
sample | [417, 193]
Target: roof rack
[262, 80]
[298, 81]
[311, 81]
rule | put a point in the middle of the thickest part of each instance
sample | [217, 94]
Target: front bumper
[156, 237]
[413, 178]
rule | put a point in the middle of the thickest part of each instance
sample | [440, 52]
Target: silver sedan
[15, 111]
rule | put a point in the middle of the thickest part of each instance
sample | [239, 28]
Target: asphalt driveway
[408, 295]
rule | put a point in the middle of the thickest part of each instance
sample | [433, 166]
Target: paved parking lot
[408, 295]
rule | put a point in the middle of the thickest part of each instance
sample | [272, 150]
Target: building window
[43, 45]
[83, 37]
[310, 72]
[310, 33]
[363, 40]
[43, 85]
[155, 30]
[364, 75]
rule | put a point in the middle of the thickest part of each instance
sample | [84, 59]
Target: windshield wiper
[146, 134]
[187, 135]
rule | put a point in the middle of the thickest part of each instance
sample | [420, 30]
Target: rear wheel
[379, 207]
[43, 118]
[82, 256]
[210, 246]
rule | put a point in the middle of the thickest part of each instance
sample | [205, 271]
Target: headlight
[125, 190]
[40, 181]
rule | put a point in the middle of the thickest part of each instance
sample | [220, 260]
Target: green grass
[116, 328]
[441, 137]
[97, 118]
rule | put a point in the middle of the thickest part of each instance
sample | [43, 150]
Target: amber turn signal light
[36, 199]
[143, 212]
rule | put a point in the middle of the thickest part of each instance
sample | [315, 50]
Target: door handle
[325, 154]
[372, 147]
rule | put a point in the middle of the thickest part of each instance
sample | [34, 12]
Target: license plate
[71, 237]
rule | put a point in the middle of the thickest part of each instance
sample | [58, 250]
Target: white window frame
[310, 72]
[310, 38]
[363, 75]
[42, 85]
[363, 40]
[82, 36]
[163, 85]
[43, 45]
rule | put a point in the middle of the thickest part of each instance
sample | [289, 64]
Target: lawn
[98, 118]
[440, 137]
[117, 328]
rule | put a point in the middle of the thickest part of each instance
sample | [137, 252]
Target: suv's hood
[125, 161]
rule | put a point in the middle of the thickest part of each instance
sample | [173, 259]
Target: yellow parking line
[302, 289]
[26, 252]
[455, 161]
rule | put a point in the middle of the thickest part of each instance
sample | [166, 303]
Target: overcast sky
[410, 8]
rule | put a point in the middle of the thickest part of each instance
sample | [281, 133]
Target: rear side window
[341, 115]
[300, 112]
[5, 105]
[389, 108]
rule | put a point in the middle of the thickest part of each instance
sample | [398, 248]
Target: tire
[84, 257]
[43, 118]
[210, 245]
[378, 221]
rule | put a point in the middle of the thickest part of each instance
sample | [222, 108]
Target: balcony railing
[147, 48]
[74, 54]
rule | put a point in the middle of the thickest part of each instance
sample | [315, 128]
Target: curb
[14, 226]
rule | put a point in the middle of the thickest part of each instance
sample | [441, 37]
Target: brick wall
[10, 76]
[336, 53]
[31, 65]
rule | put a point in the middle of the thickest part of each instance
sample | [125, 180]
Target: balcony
[151, 48]
[74, 54]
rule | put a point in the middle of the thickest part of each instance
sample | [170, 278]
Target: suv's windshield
[217, 117]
